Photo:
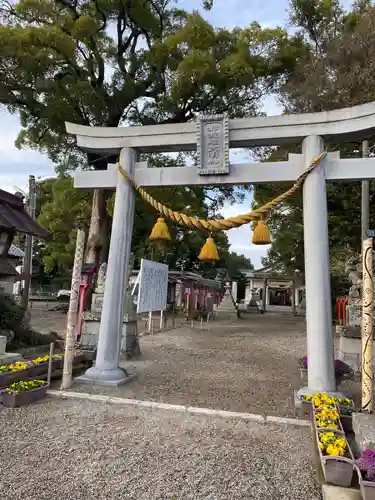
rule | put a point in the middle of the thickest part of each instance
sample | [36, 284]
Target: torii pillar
[211, 137]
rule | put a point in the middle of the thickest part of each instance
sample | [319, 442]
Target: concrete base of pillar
[112, 378]
[10, 357]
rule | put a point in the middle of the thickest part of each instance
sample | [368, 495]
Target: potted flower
[345, 406]
[24, 392]
[40, 364]
[321, 400]
[57, 361]
[341, 369]
[335, 456]
[328, 418]
[16, 371]
[365, 467]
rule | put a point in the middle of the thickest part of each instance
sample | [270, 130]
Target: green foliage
[12, 320]
[337, 72]
[111, 62]
[61, 206]
[286, 223]
[104, 62]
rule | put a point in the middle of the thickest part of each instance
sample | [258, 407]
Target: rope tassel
[215, 225]
[209, 251]
[261, 234]
[160, 231]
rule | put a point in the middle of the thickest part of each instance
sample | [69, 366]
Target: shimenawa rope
[215, 225]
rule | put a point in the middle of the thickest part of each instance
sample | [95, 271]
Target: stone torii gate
[212, 136]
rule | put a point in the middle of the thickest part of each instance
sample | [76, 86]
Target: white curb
[263, 419]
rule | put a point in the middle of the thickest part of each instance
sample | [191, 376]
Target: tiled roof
[14, 217]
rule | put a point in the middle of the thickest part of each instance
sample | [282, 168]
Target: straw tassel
[209, 251]
[261, 234]
[160, 231]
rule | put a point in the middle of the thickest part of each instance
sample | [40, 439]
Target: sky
[16, 165]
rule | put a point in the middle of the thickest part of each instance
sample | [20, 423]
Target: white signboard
[153, 286]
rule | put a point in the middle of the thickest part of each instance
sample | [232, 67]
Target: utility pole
[27, 263]
[365, 198]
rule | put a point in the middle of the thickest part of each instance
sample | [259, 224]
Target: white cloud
[240, 238]
[234, 13]
[16, 165]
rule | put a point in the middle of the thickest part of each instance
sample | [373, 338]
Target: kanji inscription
[213, 145]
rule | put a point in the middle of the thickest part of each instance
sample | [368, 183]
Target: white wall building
[273, 287]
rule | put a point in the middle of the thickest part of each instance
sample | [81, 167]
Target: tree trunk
[98, 238]
[92, 255]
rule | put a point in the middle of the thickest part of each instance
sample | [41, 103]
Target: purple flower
[366, 464]
[369, 453]
[305, 362]
[341, 368]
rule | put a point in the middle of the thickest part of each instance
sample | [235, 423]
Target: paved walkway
[80, 450]
[249, 365]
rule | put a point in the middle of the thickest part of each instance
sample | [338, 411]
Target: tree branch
[103, 16]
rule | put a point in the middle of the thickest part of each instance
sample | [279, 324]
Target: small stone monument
[129, 339]
[227, 307]
[7, 358]
[91, 319]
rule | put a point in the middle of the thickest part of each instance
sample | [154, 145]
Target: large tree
[110, 62]
[337, 71]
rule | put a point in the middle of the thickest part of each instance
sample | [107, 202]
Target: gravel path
[78, 450]
[249, 365]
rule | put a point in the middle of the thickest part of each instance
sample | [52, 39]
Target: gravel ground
[249, 365]
[84, 450]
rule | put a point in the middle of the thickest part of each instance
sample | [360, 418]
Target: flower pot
[306, 407]
[367, 487]
[8, 378]
[24, 398]
[336, 470]
[79, 358]
[303, 373]
[40, 369]
[58, 364]
[346, 422]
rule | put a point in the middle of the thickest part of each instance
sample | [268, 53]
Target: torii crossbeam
[212, 136]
